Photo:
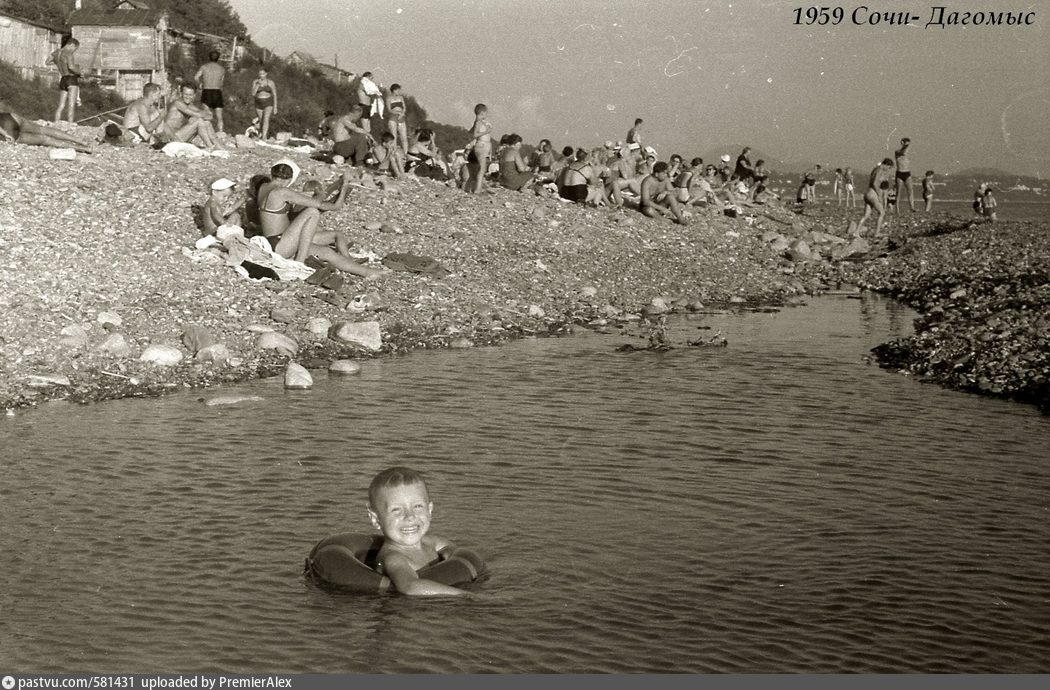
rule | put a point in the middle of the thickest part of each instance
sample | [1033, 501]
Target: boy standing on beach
[989, 204]
[400, 507]
[927, 190]
[481, 148]
[878, 183]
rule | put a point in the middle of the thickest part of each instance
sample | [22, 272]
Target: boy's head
[929, 173]
[638, 122]
[214, 56]
[387, 139]
[313, 188]
[480, 109]
[222, 188]
[395, 89]
[399, 504]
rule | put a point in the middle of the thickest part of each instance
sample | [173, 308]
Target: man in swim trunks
[352, 141]
[143, 117]
[209, 78]
[185, 121]
[658, 198]
[69, 84]
[904, 174]
[878, 183]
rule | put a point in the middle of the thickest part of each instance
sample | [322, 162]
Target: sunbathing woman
[294, 235]
[514, 173]
[14, 127]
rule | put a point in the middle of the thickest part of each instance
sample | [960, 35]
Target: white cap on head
[726, 158]
[291, 164]
[222, 183]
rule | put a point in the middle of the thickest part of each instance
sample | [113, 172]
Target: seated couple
[290, 220]
[183, 120]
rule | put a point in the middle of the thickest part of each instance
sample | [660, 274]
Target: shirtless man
[185, 121]
[209, 78]
[658, 199]
[621, 176]
[352, 141]
[367, 92]
[904, 174]
[69, 84]
[878, 183]
[143, 117]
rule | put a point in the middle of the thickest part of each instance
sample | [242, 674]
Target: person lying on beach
[352, 141]
[388, 157]
[657, 199]
[143, 117]
[399, 506]
[879, 181]
[223, 206]
[16, 128]
[188, 122]
[290, 220]
[514, 173]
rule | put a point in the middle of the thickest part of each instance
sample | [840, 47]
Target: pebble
[162, 355]
[344, 367]
[296, 377]
[45, 380]
[232, 399]
[261, 328]
[273, 340]
[318, 326]
[116, 345]
[366, 334]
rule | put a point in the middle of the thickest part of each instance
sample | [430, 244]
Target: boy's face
[402, 513]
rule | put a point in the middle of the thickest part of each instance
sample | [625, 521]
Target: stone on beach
[272, 340]
[365, 334]
[109, 318]
[344, 367]
[318, 326]
[283, 315]
[196, 338]
[46, 380]
[231, 399]
[296, 377]
[216, 353]
[161, 355]
[116, 345]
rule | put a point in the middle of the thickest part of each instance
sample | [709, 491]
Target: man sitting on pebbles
[290, 221]
[658, 199]
[16, 128]
[188, 122]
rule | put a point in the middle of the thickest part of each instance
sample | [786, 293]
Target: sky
[706, 77]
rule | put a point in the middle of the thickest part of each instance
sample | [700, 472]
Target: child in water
[400, 507]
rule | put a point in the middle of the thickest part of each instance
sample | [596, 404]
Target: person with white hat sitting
[222, 207]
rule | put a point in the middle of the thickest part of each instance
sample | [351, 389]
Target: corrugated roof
[115, 17]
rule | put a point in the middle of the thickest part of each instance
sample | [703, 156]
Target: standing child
[849, 188]
[837, 186]
[978, 199]
[989, 204]
[399, 505]
[927, 190]
[481, 148]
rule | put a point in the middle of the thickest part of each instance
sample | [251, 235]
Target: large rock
[162, 355]
[296, 377]
[318, 325]
[196, 338]
[116, 345]
[343, 367]
[216, 353]
[800, 251]
[272, 340]
[283, 315]
[364, 334]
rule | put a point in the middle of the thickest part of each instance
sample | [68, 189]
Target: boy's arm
[407, 581]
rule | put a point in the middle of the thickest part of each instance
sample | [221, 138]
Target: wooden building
[127, 44]
[28, 46]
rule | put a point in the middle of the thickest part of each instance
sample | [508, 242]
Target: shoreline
[94, 248]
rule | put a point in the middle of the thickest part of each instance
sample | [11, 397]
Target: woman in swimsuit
[395, 116]
[296, 236]
[14, 127]
[513, 171]
[424, 158]
[575, 177]
[264, 93]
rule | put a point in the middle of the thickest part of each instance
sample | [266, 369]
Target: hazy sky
[703, 75]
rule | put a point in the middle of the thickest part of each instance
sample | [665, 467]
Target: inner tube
[348, 561]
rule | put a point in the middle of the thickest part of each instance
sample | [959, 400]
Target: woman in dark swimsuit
[298, 237]
[574, 178]
[513, 171]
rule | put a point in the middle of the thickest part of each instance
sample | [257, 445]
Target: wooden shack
[28, 45]
[127, 43]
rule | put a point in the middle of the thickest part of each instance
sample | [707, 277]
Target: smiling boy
[399, 506]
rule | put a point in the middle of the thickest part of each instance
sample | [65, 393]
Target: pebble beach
[97, 267]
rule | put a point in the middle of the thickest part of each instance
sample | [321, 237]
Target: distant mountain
[985, 172]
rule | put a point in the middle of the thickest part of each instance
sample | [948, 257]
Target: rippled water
[775, 505]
